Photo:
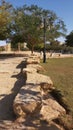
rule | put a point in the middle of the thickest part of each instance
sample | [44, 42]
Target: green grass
[61, 72]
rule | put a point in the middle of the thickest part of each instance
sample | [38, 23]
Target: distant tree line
[69, 39]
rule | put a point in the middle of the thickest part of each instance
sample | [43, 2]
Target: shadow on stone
[36, 123]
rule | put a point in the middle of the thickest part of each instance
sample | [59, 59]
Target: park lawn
[60, 71]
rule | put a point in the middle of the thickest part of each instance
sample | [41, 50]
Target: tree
[55, 27]
[27, 25]
[69, 39]
[5, 19]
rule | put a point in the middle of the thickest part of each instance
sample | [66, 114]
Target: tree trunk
[18, 46]
[32, 50]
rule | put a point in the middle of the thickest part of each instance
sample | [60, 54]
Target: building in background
[5, 46]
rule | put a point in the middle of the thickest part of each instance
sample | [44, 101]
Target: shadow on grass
[60, 98]
[65, 120]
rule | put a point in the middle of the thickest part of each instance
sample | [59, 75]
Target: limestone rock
[32, 68]
[51, 109]
[29, 70]
[28, 100]
[46, 87]
[33, 60]
[36, 66]
[38, 79]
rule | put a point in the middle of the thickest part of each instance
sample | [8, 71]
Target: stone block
[51, 109]
[28, 100]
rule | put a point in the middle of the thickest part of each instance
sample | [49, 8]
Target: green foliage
[2, 49]
[5, 19]
[54, 47]
[69, 39]
[67, 49]
[24, 24]
[39, 47]
[27, 24]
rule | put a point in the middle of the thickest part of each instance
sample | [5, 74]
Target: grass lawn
[60, 71]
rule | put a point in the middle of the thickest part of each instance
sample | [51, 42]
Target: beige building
[8, 47]
[5, 46]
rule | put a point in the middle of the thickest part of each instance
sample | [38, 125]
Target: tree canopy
[5, 19]
[25, 24]
[69, 39]
[28, 25]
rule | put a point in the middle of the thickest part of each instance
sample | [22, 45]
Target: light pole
[44, 49]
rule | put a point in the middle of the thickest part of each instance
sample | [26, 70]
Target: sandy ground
[11, 80]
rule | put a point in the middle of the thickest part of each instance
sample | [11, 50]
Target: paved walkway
[11, 80]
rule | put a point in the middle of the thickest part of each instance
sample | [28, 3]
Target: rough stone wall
[34, 97]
